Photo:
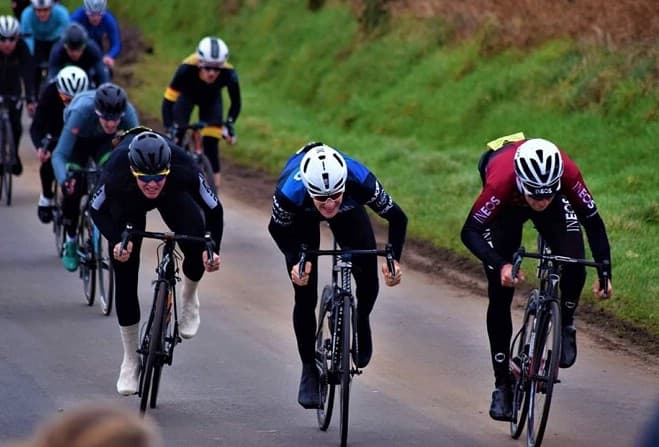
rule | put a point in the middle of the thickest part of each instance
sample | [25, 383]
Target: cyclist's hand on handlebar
[43, 155]
[506, 276]
[211, 265]
[228, 132]
[69, 186]
[302, 280]
[601, 294]
[122, 255]
[389, 279]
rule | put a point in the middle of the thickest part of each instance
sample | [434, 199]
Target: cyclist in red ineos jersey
[522, 180]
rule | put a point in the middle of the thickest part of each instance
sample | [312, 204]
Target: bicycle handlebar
[602, 267]
[387, 252]
[129, 232]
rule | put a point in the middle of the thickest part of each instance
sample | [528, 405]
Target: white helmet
[71, 80]
[539, 167]
[212, 51]
[8, 26]
[96, 6]
[42, 4]
[323, 171]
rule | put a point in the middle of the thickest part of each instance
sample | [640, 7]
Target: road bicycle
[160, 334]
[7, 147]
[535, 351]
[95, 267]
[192, 143]
[337, 336]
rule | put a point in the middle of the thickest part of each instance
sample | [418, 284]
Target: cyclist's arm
[55, 60]
[63, 152]
[28, 70]
[233, 88]
[171, 94]
[114, 36]
[282, 228]
[26, 28]
[130, 118]
[101, 75]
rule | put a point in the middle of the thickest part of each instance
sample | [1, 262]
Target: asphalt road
[235, 384]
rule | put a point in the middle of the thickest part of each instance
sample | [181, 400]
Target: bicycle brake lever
[125, 236]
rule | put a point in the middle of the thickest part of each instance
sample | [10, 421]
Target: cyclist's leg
[211, 113]
[560, 228]
[353, 229]
[71, 213]
[182, 215]
[304, 316]
[128, 312]
[505, 235]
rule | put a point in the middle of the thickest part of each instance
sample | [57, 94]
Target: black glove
[228, 132]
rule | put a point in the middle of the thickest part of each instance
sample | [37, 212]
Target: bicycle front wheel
[58, 222]
[9, 161]
[544, 372]
[86, 254]
[154, 347]
[344, 370]
[105, 273]
[519, 355]
[324, 354]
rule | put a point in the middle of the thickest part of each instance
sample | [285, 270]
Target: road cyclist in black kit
[147, 171]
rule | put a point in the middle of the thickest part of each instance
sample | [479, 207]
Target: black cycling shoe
[365, 347]
[17, 169]
[501, 408]
[568, 346]
[45, 214]
[309, 394]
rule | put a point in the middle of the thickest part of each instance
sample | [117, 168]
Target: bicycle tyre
[167, 336]
[344, 370]
[9, 155]
[154, 345]
[519, 354]
[545, 363]
[58, 222]
[105, 273]
[85, 252]
[327, 385]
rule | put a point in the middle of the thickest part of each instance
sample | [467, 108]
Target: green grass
[418, 110]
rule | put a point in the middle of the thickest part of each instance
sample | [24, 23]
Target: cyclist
[42, 24]
[91, 121]
[17, 6]
[318, 183]
[100, 24]
[16, 68]
[199, 81]
[47, 125]
[145, 172]
[530, 179]
[76, 48]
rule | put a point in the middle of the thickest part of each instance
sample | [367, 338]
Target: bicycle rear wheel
[153, 348]
[86, 254]
[344, 369]
[105, 273]
[544, 372]
[324, 355]
[519, 355]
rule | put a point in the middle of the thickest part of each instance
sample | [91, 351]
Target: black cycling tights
[352, 229]
[559, 226]
[182, 215]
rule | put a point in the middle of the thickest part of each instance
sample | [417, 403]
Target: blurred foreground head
[95, 425]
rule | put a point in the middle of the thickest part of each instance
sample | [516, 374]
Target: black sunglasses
[334, 197]
[8, 39]
[210, 68]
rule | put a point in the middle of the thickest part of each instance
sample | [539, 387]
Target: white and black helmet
[71, 80]
[8, 26]
[42, 3]
[96, 6]
[323, 171]
[212, 51]
[539, 167]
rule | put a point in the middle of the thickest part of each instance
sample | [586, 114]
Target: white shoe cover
[189, 321]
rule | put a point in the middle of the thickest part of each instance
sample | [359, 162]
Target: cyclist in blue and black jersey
[100, 25]
[16, 70]
[146, 172]
[76, 48]
[90, 123]
[46, 127]
[199, 80]
[42, 24]
[317, 184]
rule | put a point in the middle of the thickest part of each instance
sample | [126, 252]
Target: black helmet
[110, 101]
[149, 153]
[75, 36]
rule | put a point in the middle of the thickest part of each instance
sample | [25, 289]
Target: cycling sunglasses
[541, 193]
[325, 198]
[146, 178]
[8, 39]
[110, 116]
[210, 67]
